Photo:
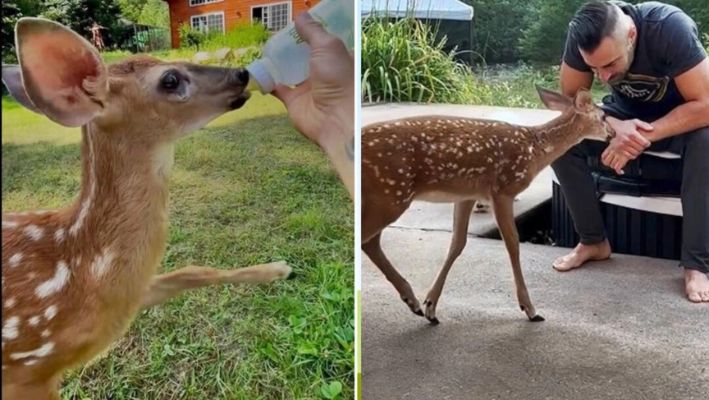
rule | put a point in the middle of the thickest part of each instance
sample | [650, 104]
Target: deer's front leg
[373, 249]
[502, 207]
[166, 286]
[461, 219]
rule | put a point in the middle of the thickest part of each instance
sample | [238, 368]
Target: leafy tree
[544, 35]
[498, 26]
[10, 14]
[79, 15]
[155, 13]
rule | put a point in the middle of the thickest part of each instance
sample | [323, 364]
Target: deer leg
[373, 249]
[166, 286]
[502, 208]
[461, 220]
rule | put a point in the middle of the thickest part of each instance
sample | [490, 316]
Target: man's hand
[629, 142]
[322, 107]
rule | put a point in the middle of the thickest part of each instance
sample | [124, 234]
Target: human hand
[322, 107]
[629, 142]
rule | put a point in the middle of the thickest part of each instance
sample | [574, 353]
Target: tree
[498, 28]
[10, 14]
[79, 15]
[155, 13]
[131, 9]
[544, 37]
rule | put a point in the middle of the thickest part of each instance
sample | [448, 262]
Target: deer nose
[242, 76]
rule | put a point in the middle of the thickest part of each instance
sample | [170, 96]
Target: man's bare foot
[696, 285]
[582, 253]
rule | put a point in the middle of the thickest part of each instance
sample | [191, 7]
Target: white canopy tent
[420, 9]
[455, 13]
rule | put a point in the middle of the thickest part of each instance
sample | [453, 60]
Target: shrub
[402, 61]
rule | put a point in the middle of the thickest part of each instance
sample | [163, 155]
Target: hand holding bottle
[322, 107]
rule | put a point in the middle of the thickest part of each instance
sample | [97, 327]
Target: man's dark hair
[592, 22]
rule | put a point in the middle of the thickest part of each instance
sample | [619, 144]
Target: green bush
[238, 37]
[190, 37]
[402, 61]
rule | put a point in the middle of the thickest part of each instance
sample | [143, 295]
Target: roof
[421, 9]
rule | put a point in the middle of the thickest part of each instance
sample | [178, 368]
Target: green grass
[246, 189]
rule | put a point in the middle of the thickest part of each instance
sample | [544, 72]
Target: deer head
[62, 76]
[591, 117]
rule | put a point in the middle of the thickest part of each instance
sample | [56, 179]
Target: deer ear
[12, 78]
[583, 100]
[61, 72]
[553, 100]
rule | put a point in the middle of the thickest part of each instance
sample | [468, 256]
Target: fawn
[462, 160]
[73, 279]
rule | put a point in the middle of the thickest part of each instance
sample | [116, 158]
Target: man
[651, 57]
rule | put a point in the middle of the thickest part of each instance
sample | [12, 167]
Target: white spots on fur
[9, 303]
[59, 235]
[40, 352]
[31, 362]
[34, 232]
[10, 329]
[101, 264]
[86, 204]
[14, 261]
[56, 283]
[34, 321]
[74, 229]
[50, 312]
[45, 333]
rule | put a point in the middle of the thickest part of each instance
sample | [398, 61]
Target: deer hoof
[434, 321]
[537, 318]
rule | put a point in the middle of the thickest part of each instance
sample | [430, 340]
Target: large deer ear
[583, 100]
[61, 72]
[553, 100]
[12, 78]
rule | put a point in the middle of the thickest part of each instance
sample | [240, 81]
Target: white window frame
[290, 9]
[203, 3]
[192, 17]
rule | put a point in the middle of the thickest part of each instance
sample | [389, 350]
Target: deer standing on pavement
[73, 279]
[462, 160]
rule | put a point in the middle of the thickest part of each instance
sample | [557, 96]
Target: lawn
[246, 189]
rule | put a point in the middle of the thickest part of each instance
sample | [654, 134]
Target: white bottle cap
[260, 74]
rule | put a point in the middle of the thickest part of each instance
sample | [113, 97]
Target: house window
[208, 22]
[200, 2]
[273, 16]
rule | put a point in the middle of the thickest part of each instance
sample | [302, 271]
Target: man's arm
[693, 85]
[572, 80]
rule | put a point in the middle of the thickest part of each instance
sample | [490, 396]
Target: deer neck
[119, 223]
[558, 135]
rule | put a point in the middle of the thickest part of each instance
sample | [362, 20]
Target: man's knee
[698, 141]
[696, 147]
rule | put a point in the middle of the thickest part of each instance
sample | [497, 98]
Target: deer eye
[170, 80]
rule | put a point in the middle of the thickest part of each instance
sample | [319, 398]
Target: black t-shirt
[667, 45]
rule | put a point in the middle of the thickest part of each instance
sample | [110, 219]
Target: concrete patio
[617, 329]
